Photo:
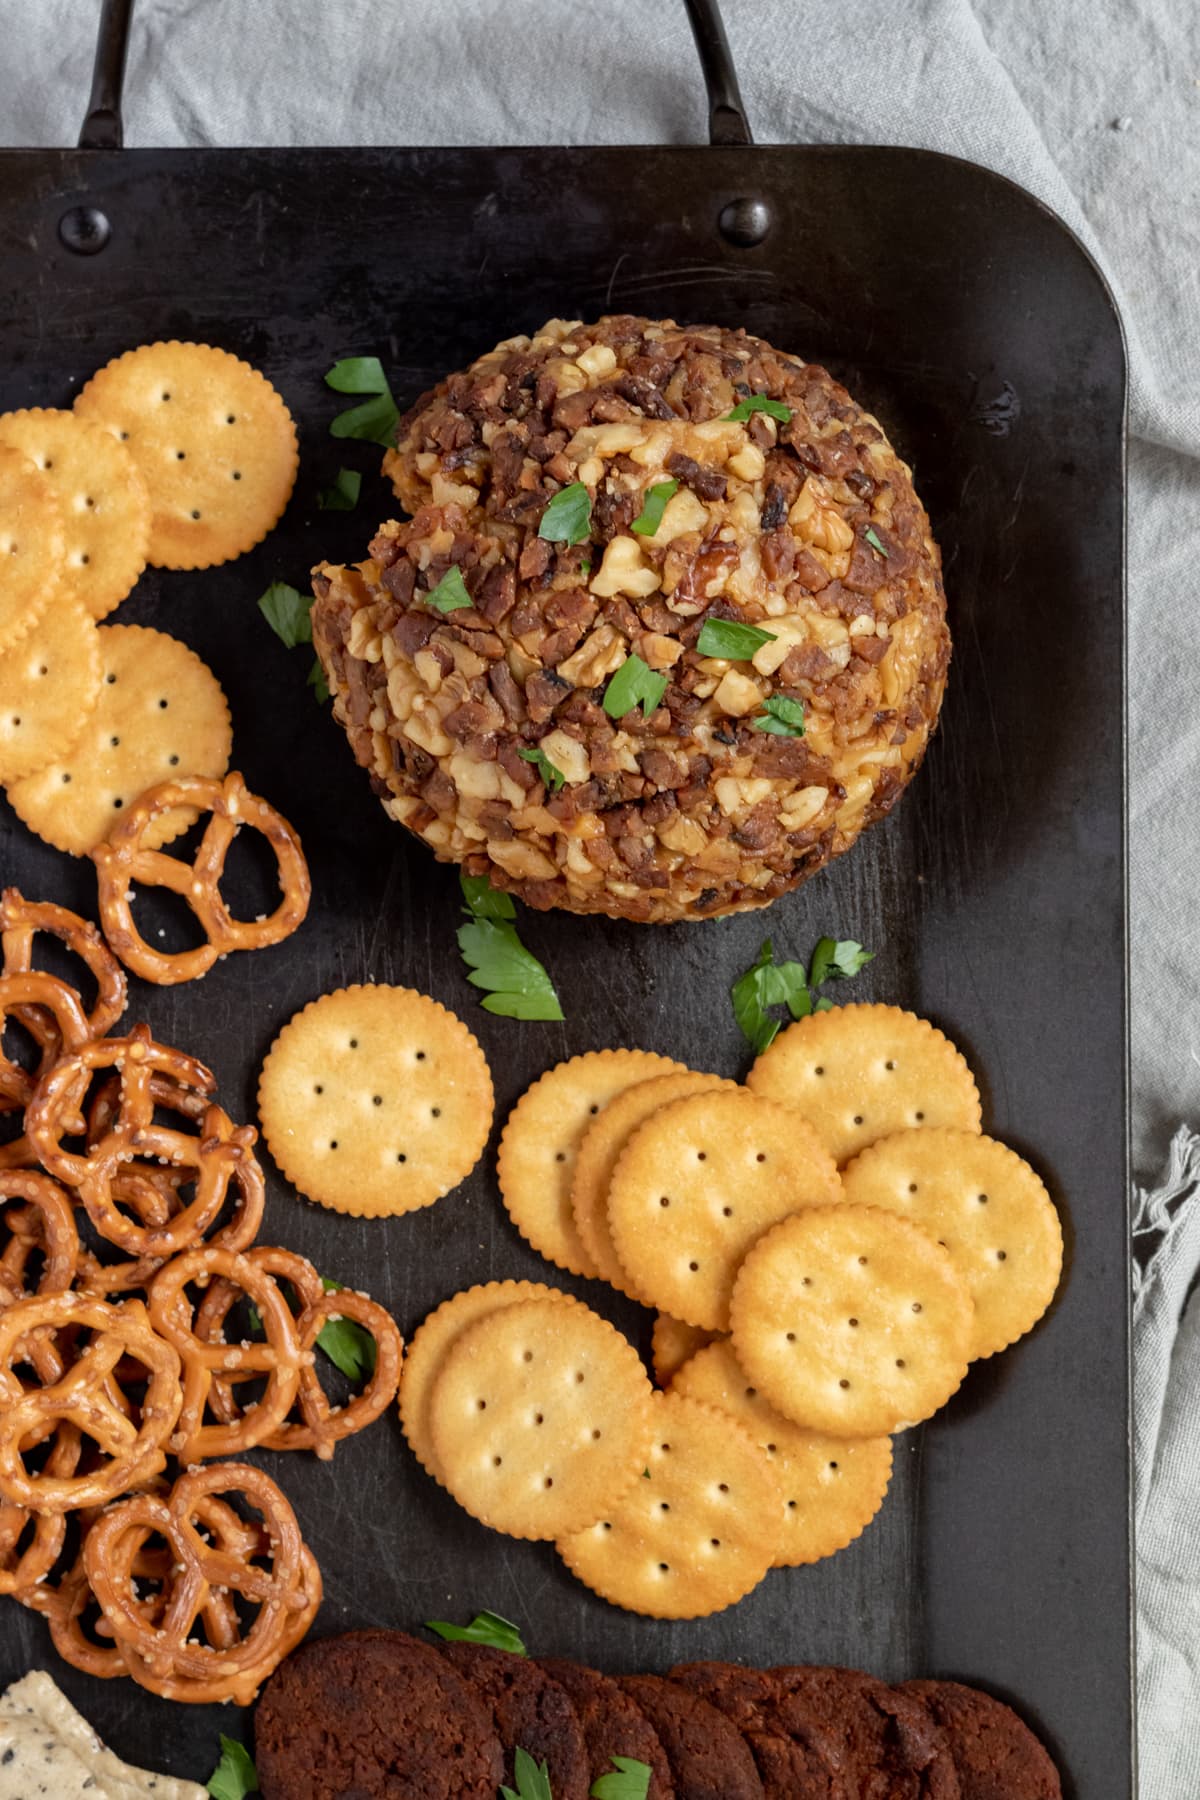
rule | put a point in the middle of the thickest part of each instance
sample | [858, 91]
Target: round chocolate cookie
[795, 1750]
[613, 1724]
[531, 1712]
[995, 1753]
[891, 1745]
[373, 1714]
[709, 1757]
[665, 631]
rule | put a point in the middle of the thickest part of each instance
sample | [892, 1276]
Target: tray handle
[103, 128]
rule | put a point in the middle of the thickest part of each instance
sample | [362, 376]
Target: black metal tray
[965, 314]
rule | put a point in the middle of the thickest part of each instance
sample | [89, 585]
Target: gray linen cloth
[1093, 104]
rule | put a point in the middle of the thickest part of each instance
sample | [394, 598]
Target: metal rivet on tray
[745, 222]
[84, 230]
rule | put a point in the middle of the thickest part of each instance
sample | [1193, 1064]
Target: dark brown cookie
[891, 1746]
[709, 1757]
[531, 1712]
[613, 1724]
[797, 1754]
[376, 1714]
[995, 1753]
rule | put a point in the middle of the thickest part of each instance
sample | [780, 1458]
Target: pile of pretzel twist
[135, 1307]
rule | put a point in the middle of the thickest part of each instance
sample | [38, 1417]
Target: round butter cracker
[672, 1343]
[161, 713]
[851, 1321]
[697, 1532]
[432, 1340]
[698, 1183]
[832, 1487]
[32, 545]
[212, 439]
[858, 1073]
[375, 1100]
[102, 498]
[988, 1209]
[49, 687]
[536, 1162]
[540, 1417]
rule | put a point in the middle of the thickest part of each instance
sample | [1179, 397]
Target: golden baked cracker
[698, 1533]
[103, 500]
[161, 713]
[213, 440]
[375, 1100]
[540, 1417]
[986, 1206]
[433, 1338]
[49, 685]
[858, 1073]
[536, 1162]
[851, 1321]
[603, 1142]
[32, 540]
[671, 1344]
[832, 1487]
[698, 1183]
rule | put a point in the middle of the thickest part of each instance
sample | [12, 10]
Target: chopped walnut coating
[808, 529]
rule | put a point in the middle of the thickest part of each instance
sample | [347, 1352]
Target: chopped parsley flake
[450, 593]
[634, 684]
[375, 419]
[654, 505]
[568, 518]
[731, 639]
[762, 403]
[516, 983]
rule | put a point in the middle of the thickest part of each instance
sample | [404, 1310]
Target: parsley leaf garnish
[568, 518]
[780, 716]
[485, 1628]
[316, 680]
[635, 683]
[517, 984]
[875, 541]
[760, 403]
[375, 420]
[289, 614]
[533, 1779]
[552, 777]
[235, 1775]
[768, 983]
[630, 1782]
[840, 958]
[287, 611]
[348, 1345]
[731, 639]
[654, 505]
[343, 495]
[450, 593]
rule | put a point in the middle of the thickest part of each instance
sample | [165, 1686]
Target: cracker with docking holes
[49, 686]
[986, 1206]
[103, 500]
[32, 543]
[832, 1487]
[161, 713]
[432, 1340]
[212, 439]
[858, 1073]
[698, 1532]
[852, 1321]
[602, 1144]
[540, 1418]
[536, 1163]
[671, 1343]
[698, 1183]
[375, 1100]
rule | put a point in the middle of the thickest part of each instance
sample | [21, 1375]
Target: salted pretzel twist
[20, 922]
[129, 1451]
[165, 1654]
[122, 861]
[52, 1013]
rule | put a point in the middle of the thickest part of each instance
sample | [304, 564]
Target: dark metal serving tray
[962, 312]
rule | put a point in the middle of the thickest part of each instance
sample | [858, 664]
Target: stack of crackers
[175, 455]
[828, 1248]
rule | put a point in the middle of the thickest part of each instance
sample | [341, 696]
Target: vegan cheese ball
[547, 670]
